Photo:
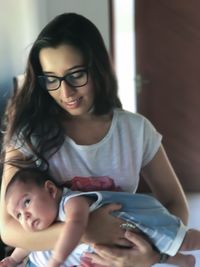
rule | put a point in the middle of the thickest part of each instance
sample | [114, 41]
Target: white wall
[22, 20]
[16, 20]
[95, 10]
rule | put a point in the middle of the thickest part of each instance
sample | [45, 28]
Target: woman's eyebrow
[67, 71]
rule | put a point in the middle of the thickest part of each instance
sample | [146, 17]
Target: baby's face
[33, 207]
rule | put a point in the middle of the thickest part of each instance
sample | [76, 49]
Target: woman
[68, 118]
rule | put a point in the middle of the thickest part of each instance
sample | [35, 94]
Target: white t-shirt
[115, 161]
[130, 144]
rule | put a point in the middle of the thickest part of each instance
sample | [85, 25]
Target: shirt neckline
[103, 140]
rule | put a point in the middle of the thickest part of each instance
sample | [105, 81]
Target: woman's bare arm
[11, 231]
[165, 185]
[13, 234]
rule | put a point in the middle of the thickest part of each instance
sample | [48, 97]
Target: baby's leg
[182, 260]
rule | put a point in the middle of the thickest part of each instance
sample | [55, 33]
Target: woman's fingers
[109, 231]
[113, 207]
[140, 254]
[140, 243]
[108, 257]
[87, 262]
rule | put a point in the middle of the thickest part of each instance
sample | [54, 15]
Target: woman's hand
[105, 231]
[8, 262]
[140, 255]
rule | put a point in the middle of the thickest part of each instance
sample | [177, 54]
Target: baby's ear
[51, 188]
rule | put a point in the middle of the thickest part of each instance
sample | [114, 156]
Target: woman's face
[67, 61]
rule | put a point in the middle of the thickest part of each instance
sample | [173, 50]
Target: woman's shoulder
[134, 122]
[125, 115]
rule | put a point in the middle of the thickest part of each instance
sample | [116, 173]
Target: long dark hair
[32, 114]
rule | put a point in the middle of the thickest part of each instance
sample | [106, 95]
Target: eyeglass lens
[77, 78]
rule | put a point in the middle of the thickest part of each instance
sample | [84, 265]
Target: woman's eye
[77, 74]
[50, 79]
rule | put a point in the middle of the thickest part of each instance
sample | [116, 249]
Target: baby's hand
[8, 262]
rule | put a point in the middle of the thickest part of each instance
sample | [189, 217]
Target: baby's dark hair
[32, 176]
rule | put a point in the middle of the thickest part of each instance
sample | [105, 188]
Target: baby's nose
[27, 215]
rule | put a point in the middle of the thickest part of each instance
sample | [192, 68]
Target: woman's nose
[66, 90]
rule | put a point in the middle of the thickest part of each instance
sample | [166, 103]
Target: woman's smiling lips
[73, 103]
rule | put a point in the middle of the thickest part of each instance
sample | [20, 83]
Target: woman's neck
[88, 130]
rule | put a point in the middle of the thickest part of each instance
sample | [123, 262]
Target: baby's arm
[15, 258]
[77, 212]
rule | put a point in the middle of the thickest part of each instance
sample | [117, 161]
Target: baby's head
[32, 199]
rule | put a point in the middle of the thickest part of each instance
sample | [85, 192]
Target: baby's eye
[26, 202]
[18, 216]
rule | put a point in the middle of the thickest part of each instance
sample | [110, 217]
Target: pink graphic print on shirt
[98, 183]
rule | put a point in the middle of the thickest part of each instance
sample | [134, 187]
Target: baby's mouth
[35, 224]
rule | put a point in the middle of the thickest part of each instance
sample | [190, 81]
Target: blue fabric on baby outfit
[165, 230]
[30, 264]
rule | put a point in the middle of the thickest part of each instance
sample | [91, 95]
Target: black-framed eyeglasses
[76, 78]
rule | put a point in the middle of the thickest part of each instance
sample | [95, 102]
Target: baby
[35, 201]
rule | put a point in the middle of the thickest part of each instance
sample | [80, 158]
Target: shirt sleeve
[151, 142]
[18, 143]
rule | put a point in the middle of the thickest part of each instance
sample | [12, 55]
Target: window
[124, 51]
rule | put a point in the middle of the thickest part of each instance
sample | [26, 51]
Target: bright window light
[125, 51]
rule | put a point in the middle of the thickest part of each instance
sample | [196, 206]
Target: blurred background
[22, 20]
[155, 49]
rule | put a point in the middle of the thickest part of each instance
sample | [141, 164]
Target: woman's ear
[50, 187]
